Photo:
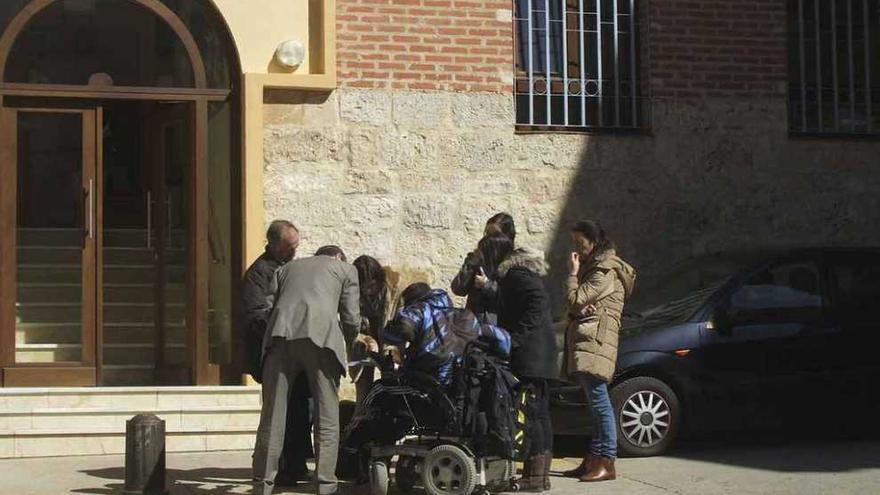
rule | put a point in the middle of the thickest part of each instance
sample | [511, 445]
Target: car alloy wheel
[644, 418]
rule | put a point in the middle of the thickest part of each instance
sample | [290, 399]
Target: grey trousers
[284, 361]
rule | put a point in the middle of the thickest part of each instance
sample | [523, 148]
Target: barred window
[576, 65]
[834, 67]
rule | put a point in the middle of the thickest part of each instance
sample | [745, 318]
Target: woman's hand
[587, 311]
[368, 342]
[574, 264]
[480, 279]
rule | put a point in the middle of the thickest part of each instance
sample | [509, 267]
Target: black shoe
[287, 478]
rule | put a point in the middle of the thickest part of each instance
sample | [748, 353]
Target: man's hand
[368, 342]
[394, 352]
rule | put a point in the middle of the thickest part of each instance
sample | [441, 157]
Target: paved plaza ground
[830, 467]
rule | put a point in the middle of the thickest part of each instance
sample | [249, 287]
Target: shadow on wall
[715, 176]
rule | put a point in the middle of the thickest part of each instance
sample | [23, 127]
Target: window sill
[521, 129]
[831, 136]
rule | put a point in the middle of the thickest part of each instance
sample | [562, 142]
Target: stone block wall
[418, 146]
[410, 178]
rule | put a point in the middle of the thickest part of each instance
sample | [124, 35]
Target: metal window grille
[834, 67]
[576, 65]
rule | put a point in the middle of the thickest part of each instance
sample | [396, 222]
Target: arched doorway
[119, 155]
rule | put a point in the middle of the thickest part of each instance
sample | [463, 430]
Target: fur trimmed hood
[529, 259]
[608, 260]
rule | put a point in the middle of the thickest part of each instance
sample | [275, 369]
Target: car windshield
[677, 295]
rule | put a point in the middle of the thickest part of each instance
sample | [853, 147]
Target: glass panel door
[53, 165]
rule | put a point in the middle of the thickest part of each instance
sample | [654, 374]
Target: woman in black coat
[524, 311]
[476, 278]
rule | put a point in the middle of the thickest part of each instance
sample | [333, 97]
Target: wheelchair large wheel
[448, 470]
[405, 474]
[378, 478]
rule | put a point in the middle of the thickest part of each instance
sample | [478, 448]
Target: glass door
[50, 226]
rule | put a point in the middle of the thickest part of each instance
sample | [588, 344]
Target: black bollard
[145, 456]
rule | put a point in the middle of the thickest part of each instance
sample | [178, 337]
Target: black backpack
[489, 392]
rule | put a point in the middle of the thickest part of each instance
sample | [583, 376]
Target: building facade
[146, 144]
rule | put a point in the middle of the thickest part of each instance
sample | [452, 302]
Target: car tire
[648, 416]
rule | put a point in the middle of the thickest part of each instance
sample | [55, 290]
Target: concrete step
[51, 273]
[134, 238]
[142, 333]
[41, 422]
[85, 419]
[114, 333]
[52, 312]
[128, 375]
[112, 255]
[48, 333]
[142, 353]
[114, 354]
[113, 293]
[135, 398]
[47, 353]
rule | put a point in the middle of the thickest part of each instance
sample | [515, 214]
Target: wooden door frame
[198, 272]
[84, 371]
[202, 372]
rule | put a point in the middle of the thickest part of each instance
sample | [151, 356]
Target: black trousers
[538, 426]
[298, 434]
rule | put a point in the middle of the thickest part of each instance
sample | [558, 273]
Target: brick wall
[449, 45]
[720, 48]
[690, 48]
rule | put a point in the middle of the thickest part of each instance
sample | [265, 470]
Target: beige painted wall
[259, 26]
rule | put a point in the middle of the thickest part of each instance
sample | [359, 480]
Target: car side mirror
[722, 321]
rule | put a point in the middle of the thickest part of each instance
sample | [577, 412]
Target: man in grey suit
[314, 320]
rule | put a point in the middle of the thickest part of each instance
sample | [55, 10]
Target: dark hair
[503, 223]
[595, 233]
[276, 231]
[373, 286]
[414, 292]
[493, 249]
[332, 251]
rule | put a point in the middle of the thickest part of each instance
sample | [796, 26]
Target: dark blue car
[745, 342]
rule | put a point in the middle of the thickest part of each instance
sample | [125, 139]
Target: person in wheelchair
[429, 335]
[426, 340]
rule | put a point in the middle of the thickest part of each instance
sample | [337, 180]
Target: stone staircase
[44, 422]
[49, 302]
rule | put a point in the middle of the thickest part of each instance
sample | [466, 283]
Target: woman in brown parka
[599, 283]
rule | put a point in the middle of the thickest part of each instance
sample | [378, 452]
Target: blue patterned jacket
[433, 334]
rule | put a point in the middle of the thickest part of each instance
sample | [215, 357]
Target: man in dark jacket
[282, 239]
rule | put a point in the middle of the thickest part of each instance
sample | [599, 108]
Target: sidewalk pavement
[802, 469]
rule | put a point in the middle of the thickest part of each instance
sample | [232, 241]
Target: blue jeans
[604, 441]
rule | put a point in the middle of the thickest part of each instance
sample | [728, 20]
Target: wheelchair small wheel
[405, 475]
[378, 478]
[514, 486]
[448, 470]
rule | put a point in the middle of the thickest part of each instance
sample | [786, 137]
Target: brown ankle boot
[532, 480]
[548, 463]
[603, 469]
[582, 469]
